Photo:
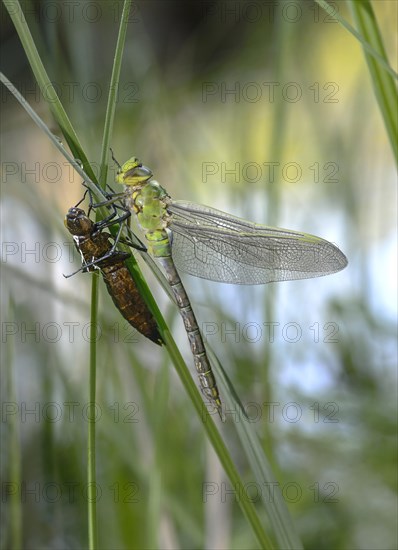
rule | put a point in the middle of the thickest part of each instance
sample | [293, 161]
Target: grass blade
[55, 140]
[11, 440]
[113, 87]
[109, 117]
[45, 84]
[332, 12]
[383, 84]
[218, 445]
[274, 504]
[91, 449]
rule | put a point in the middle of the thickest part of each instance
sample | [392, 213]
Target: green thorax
[147, 198]
[150, 206]
[149, 203]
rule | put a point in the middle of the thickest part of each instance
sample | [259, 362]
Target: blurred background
[263, 110]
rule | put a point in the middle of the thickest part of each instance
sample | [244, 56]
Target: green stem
[215, 438]
[113, 88]
[383, 83]
[13, 444]
[109, 117]
[334, 14]
[91, 473]
[46, 86]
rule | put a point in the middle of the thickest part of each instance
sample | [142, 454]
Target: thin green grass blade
[383, 84]
[45, 84]
[108, 126]
[283, 38]
[332, 12]
[218, 445]
[274, 504]
[157, 411]
[55, 140]
[11, 443]
[91, 449]
[113, 88]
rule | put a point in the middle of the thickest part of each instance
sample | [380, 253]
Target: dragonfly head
[133, 173]
[77, 222]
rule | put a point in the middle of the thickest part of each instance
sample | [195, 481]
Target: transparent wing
[214, 245]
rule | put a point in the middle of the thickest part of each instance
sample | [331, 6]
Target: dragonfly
[214, 245]
[98, 252]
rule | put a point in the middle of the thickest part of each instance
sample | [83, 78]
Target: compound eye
[142, 171]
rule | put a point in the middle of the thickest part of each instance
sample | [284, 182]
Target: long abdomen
[202, 364]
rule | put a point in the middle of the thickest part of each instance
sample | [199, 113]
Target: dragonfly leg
[140, 247]
[116, 239]
[114, 160]
[74, 273]
[84, 196]
[109, 203]
[95, 263]
[111, 198]
[110, 220]
[84, 267]
[107, 222]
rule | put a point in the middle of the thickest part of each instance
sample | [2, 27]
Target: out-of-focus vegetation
[264, 110]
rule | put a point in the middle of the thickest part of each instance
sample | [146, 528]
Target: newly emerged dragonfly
[98, 252]
[211, 244]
